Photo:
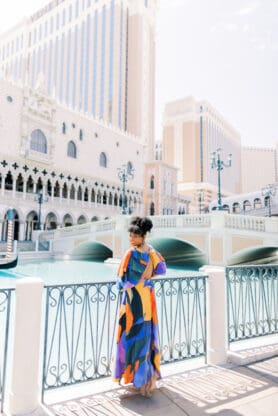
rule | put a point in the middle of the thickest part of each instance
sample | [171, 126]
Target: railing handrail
[198, 274]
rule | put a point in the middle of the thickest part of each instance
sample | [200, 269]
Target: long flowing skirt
[137, 358]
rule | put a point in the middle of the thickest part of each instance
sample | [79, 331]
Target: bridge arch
[178, 252]
[91, 250]
[255, 255]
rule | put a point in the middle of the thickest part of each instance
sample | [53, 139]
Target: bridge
[217, 238]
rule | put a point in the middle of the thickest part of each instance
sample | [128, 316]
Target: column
[21, 231]
[52, 193]
[24, 187]
[14, 187]
[25, 391]
[217, 333]
[3, 184]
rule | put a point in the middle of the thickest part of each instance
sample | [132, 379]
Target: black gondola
[9, 264]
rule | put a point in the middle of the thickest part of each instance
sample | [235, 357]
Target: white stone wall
[97, 189]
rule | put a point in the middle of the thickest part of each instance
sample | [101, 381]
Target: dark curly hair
[140, 225]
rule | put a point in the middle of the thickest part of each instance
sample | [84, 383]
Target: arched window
[72, 152]
[9, 181]
[64, 128]
[152, 182]
[236, 208]
[65, 191]
[103, 160]
[152, 209]
[257, 203]
[79, 193]
[86, 195]
[38, 141]
[72, 192]
[246, 206]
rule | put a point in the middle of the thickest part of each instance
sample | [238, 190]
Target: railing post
[24, 395]
[217, 339]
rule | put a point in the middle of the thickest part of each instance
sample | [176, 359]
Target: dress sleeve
[159, 265]
[122, 269]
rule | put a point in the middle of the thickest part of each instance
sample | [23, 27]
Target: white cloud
[246, 11]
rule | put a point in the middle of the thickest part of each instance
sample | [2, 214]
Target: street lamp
[40, 198]
[200, 198]
[218, 164]
[269, 191]
[125, 173]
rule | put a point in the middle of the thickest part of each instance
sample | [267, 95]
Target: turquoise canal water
[71, 271]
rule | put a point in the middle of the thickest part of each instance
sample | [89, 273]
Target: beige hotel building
[192, 130]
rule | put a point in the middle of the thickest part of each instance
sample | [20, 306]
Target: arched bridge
[216, 238]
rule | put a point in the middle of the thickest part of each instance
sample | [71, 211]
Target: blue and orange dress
[137, 358]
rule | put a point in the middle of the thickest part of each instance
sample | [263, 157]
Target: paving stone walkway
[250, 390]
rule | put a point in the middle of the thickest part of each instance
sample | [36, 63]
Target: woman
[137, 353]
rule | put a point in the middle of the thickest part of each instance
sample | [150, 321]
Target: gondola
[8, 264]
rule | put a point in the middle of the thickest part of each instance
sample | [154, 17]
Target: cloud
[246, 11]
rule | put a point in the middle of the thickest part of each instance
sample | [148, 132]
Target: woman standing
[137, 354]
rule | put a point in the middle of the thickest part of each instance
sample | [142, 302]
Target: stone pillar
[24, 188]
[24, 395]
[217, 333]
[3, 184]
[52, 193]
[21, 235]
[14, 187]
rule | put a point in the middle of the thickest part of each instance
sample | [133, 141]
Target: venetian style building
[192, 130]
[70, 158]
[76, 103]
[160, 190]
[97, 57]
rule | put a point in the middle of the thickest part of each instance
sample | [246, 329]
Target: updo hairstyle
[140, 225]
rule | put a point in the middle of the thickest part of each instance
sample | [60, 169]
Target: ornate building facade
[67, 159]
[96, 57]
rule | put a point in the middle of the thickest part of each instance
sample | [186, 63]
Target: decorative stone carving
[36, 103]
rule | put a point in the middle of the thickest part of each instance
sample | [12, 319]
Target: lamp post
[124, 174]
[218, 164]
[269, 191]
[200, 198]
[40, 198]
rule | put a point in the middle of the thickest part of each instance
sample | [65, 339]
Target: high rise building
[94, 56]
[192, 130]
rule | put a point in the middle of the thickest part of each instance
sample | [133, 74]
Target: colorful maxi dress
[137, 351]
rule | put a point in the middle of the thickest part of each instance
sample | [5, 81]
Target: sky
[222, 51]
